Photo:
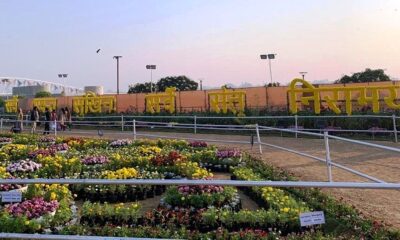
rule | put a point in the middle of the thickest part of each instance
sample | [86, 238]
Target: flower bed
[23, 168]
[43, 207]
[197, 197]
[120, 143]
[92, 160]
[5, 140]
[192, 212]
[35, 208]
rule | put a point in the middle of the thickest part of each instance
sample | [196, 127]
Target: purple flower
[34, 208]
[120, 142]
[91, 160]
[23, 166]
[5, 140]
[228, 153]
[9, 187]
[47, 139]
[58, 147]
[198, 144]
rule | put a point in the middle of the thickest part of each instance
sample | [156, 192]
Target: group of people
[52, 120]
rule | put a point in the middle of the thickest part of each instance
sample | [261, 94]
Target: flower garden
[184, 212]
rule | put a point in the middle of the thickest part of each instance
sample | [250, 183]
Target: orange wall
[272, 98]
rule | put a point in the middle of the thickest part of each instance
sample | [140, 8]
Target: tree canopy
[181, 83]
[141, 88]
[369, 75]
[42, 94]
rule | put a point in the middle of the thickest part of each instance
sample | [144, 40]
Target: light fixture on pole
[63, 75]
[151, 68]
[303, 74]
[117, 57]
[268, 56]
[201, 84]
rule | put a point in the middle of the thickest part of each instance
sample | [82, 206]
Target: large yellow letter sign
[344, 92]
[42, 103]
[155, 101]
[11, 105]
[91, 103]
[227, 100]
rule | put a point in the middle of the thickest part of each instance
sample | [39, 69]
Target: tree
[369, 75]
[2, 102]
[42, 94]
[182, 83]
[141, 88]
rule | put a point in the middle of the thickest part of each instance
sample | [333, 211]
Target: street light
[303, 74]
[201, 84]
[268, 56]
[63, 75]
[117, 57]
[151, 67]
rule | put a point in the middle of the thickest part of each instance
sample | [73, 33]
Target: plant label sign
[11, 197]
[312, 218]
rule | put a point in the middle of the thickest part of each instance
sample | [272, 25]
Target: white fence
[255, 129]
[122, 122]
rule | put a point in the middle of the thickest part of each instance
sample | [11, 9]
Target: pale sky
[217, 41]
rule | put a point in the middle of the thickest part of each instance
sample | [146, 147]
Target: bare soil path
[378, 204]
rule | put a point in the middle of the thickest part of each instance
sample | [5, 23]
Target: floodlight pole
[61, 76]
[303, 74]
[270, 69]
[151, 67]
[269, 56]
[151, 80]
[117, 57]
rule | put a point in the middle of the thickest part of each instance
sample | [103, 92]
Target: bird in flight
[98, 50]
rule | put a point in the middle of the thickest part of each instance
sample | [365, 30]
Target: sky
[216, 41]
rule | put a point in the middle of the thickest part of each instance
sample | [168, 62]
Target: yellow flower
[27, 222]
[53, 196]
[286, 209]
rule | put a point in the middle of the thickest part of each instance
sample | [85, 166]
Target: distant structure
[29, 91]
[98, 90]
[29, 87]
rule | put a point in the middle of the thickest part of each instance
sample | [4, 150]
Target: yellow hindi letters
[227, 100]
[42, 103]
[155, 101]
[91, 103]
[11, 105]
[366, 95]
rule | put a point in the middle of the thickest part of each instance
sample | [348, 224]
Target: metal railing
[123, 122]
[376, 184]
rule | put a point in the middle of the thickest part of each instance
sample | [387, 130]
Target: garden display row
[193, 212]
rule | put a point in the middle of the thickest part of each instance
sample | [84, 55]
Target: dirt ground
[378, 204]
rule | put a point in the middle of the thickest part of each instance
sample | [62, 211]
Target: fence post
[55, 127]
[296, 126]
[122, 123]
[394, 128]
[134, 129]
[258, 138]
[195, 124]
[328, 156]
[1, 125]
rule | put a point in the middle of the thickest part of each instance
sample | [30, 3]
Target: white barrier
[379, 184]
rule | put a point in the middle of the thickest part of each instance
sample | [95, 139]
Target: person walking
[34, 119]
[53, 119]
[19, 123]
[61, 119]
[47, 119]
[68, 118]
